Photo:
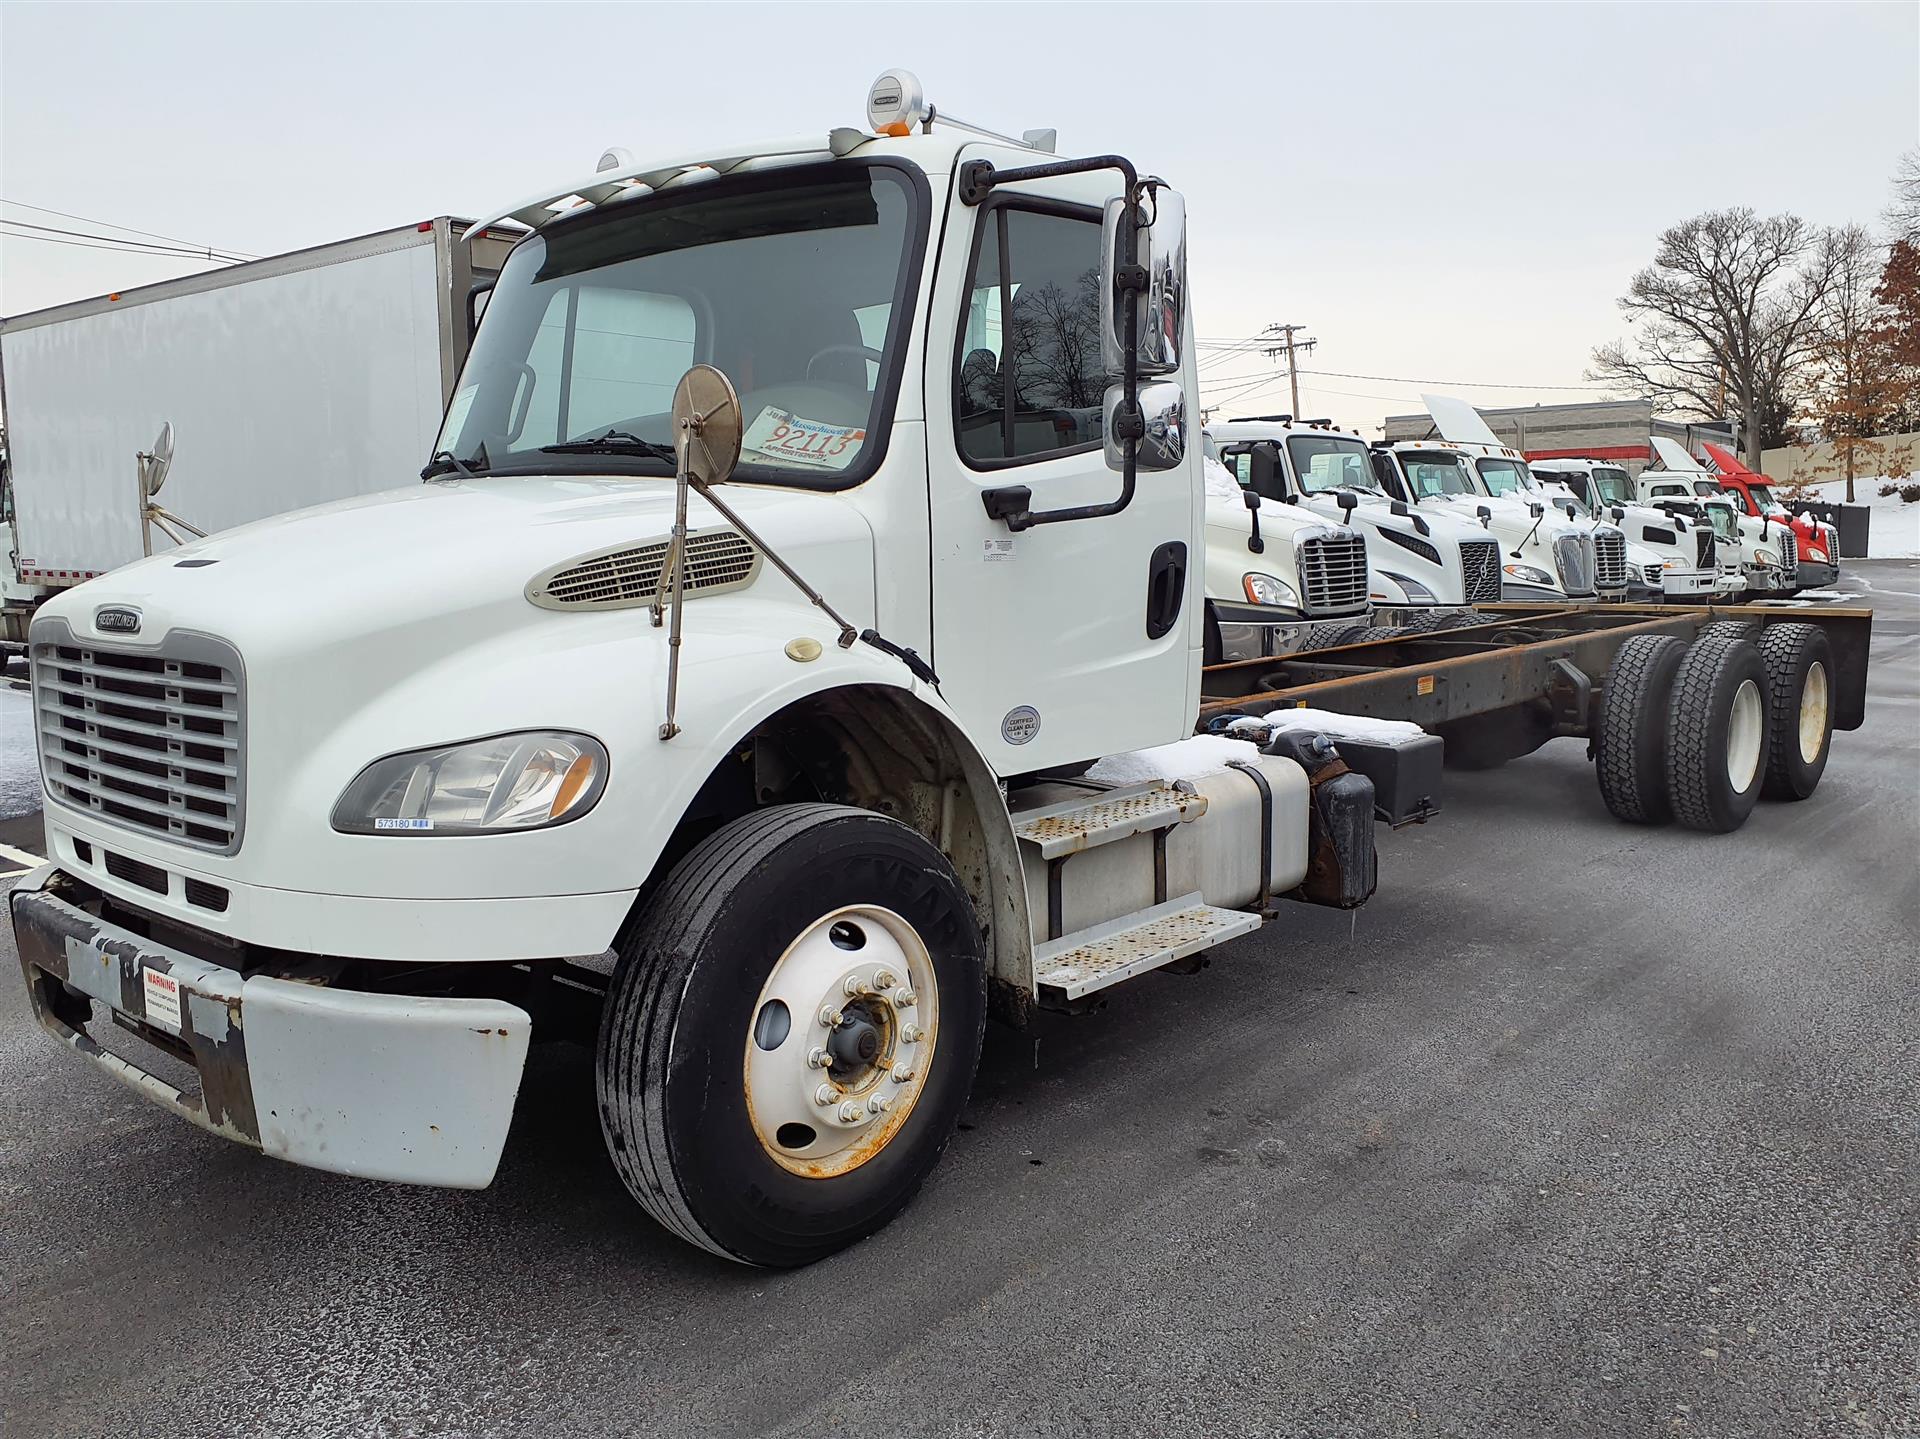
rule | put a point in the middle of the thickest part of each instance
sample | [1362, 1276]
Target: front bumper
[1817, 575]
[1511, 589]
[414, 1089]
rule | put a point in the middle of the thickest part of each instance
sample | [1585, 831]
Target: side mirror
[1619, 513]
[1536, 509]
[1347, 500]
[155, 463]
[1251, 498]
[1163, 411]
[1486, 517]
[1160, 301]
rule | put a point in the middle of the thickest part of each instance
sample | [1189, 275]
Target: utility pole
[1290, 347]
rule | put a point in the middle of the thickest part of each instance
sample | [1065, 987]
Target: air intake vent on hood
[717, 560]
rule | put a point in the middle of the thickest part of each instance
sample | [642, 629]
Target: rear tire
[1631, 753]
[683, 1105]
[1330, 633]
[1799, 663]
[1729, 630]
[1717, 735]
[1376, 632]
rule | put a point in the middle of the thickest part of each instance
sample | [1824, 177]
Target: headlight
[1765, 557]
[483, 786]
[1528, 574]
[1266, 590]
[1416, 593]
[1816, 554]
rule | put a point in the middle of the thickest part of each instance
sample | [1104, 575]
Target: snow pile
[1335, 727]
[1221, 485]
[1894, 529]
[1194, 758]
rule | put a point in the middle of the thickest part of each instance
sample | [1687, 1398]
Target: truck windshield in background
[792, 282]
[1327, 462]
[1436, 474]
[1504, 477]
[1612, 485]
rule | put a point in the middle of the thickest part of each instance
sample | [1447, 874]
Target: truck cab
[1763, 548]
[1273, 570]
[1416, 563]
[793, 653]
[1818, 543]
[1682, 561]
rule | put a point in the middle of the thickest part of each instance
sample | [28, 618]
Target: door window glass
[1030, 380]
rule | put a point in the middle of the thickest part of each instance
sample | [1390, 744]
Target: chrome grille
[1789, 553]
[1656, 575]
[150, 740]
[1573, 557]
[1333, 572]
[1610, 559]
[629, 575]
[1480, 563]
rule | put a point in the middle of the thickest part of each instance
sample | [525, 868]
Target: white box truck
[289, 381]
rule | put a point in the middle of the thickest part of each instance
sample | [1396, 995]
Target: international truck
[1419, 567]
[792, 655]
[289, 381]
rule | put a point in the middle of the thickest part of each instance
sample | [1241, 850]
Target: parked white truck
[289, 381]
[1763, 548]
[1687, 563]
[1417, 564]
[332, 833]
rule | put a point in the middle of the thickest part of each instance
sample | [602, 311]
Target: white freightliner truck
[1419, 565]
[1690, 561]
[292, 380]
[1271, 575]
[801, 757]
[1764, 548]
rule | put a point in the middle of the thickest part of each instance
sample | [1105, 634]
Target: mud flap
[1342, 867]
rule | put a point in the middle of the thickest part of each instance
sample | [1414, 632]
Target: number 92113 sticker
[783, 438]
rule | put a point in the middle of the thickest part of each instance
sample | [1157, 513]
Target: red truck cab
[1818, 543]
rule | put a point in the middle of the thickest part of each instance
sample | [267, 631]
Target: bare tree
[1854, 380]
[1724, 317]
[1056, 345]
[1903, 210]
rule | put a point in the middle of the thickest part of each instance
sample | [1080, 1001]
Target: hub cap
[841, 1041]
[1813, 713]
[1744, 725]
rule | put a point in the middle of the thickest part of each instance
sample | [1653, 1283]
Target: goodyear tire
[816, 905]
[1717, 734]
[1631, 749]
[1799, 663]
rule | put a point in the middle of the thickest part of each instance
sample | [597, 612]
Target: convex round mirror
[155, 463]
[706, 424]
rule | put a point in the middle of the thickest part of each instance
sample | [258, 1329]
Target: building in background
[1614, 430]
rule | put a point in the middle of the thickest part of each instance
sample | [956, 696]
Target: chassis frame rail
[1546, 658]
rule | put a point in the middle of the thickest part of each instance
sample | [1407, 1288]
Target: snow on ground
[19, 772]
[1894, 531]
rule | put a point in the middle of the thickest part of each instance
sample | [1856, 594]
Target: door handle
[1166, 587]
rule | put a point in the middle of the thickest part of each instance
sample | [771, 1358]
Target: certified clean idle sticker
[163, 999]
[1020, 725]
[994, 551]
[786, 439]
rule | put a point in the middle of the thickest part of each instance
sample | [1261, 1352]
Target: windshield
[1763, 497]
[1614, 486]
[1436, 474]
[1706, 487]
[790, 282]
[1326, 462]
[1725, 523]
[1504, 477]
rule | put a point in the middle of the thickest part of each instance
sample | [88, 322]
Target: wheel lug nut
[831, 1016]
[818, 1058]
[902, 1074]
[884, 980]
[902, 998]
[878, 1105]
[825, 1095]
[854, 985]
[909, 1033]
[851, 1113]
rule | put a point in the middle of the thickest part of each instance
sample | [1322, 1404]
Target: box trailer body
[289, 381]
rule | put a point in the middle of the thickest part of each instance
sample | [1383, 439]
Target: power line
[121, 249]
[138, 247]
[88, 220]
[1461, 384]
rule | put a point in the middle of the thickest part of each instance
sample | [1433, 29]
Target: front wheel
[793, 1027]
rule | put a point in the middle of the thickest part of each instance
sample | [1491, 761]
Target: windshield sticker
[784, 438]
[457, 414]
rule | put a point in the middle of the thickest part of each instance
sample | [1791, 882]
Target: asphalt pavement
[1576, 1129]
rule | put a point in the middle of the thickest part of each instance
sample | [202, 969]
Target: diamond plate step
[1076, 824]
[1108, 953]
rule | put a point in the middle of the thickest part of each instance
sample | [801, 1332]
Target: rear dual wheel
[792, 1029]
[1718, 732]
[1799, 663]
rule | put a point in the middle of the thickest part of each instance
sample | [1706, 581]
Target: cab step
[1073, 825]
[1103, 955]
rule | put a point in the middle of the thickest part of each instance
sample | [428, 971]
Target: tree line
[1793, 329]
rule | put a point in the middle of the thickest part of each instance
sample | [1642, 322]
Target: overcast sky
[1437, 192]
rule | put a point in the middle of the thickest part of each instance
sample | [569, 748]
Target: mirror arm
[1009, 503]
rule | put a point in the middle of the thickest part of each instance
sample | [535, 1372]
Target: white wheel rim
[1813, 713]
[858, 979]
[1743, 736]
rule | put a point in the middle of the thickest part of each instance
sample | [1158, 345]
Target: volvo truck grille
[1610, 559]
[1480, 563]
[1656, 575]
[1333, 573]
[1704, 551]
[1573, 557]
[152, 740]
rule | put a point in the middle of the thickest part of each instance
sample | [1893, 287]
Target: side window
[1029, 381]
[628, 351]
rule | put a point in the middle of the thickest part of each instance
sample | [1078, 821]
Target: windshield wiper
[446, 462]
[613, 442]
